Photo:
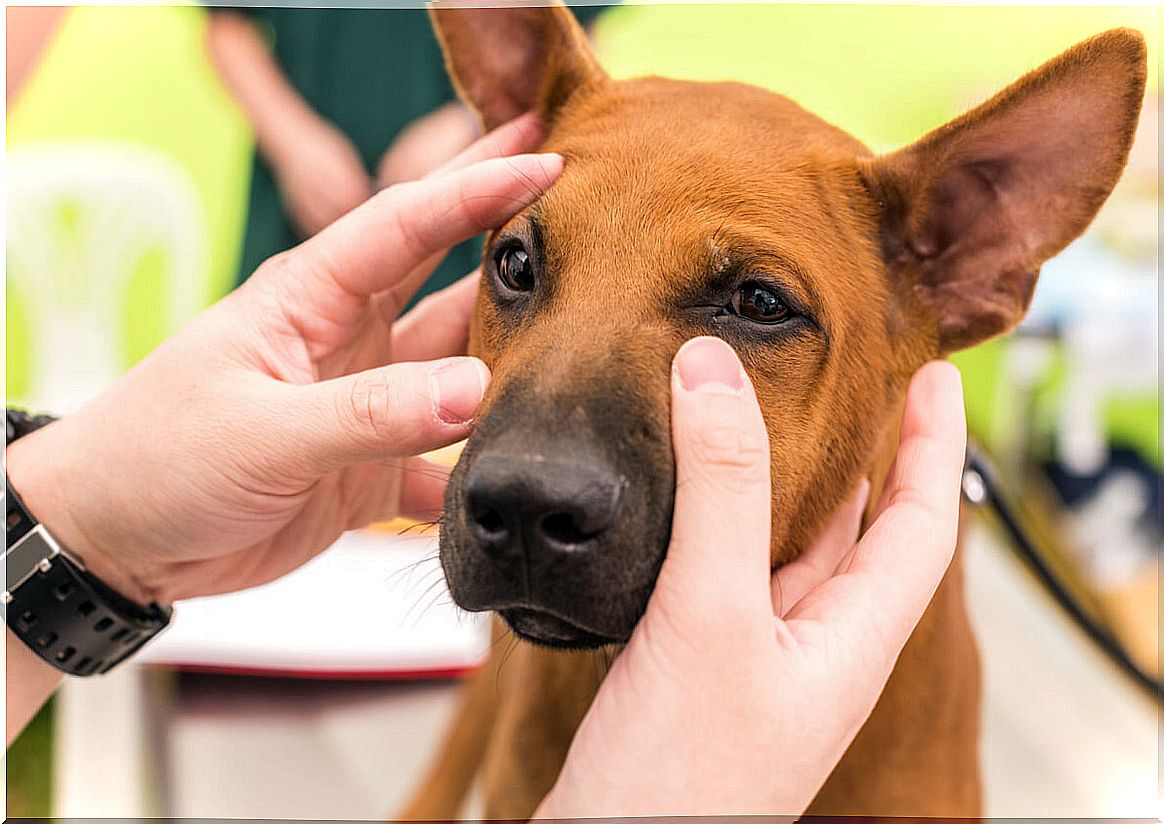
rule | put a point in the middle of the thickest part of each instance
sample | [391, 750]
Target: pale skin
[294, 408]
[318, 170]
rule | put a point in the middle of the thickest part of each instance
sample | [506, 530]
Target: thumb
[718, 561]
[393, 411]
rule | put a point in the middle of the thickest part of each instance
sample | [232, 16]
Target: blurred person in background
[343, 102]
[28, 32]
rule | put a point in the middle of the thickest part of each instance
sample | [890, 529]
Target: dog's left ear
[973, 209]
[506, 60]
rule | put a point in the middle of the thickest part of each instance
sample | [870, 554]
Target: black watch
[64, 614]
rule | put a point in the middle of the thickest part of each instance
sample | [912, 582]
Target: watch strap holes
[86, 608]
[64, 591]
[83, 665]
[103, 624]
[27, 618]
[65, 654]
[47, 640]
[117, 636]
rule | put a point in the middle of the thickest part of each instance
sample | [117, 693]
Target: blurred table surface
[1063, 734]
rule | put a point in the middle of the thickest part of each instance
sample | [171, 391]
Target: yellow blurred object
[406, 527]
[446, 456]
[1133, 611]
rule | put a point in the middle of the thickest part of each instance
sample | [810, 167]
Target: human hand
[320, 174]
[289, 411]
[739, 691]
[426, 143]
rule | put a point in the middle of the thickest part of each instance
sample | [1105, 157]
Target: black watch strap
[65, 615]
[18, 423]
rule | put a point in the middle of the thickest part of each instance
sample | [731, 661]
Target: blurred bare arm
[319, 171]
[29, 682]
[27, 33]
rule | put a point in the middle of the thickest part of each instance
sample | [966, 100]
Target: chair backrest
[89, 224]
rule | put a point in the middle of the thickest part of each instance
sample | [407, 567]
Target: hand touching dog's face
[690, 209]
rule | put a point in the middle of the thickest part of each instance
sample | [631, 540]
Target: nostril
[562, 528]
[490, 523]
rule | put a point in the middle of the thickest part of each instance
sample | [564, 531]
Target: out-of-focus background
[136, 196]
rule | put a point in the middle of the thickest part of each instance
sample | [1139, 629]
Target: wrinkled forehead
[674, 181]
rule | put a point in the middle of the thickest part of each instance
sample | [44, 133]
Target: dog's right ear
[507, 60]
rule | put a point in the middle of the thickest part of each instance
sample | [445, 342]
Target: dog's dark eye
[515, 269]
[756, 302]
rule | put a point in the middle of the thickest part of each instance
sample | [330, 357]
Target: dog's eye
[515, 269]
[756, 302]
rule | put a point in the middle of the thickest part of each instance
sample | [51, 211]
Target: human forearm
[320, 174]
[29, 682]
[275, 110]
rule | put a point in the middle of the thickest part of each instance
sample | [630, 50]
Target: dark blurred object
[1078, 490]
[1044, 549]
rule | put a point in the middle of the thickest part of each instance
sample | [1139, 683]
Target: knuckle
[367, 408]
[400, 203]
[278, 268]
[722, 446]
[472, 209]
[405, 227]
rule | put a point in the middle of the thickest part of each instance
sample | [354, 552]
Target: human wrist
[40, 476]
[283, 137]
[29, 681]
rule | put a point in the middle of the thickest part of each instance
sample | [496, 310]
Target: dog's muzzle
[562, 533]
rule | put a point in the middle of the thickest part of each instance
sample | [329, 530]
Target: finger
[522, 134]
[438, 326]
[399, 410]
[890, 576]
[374, 247]
[718, 560]
[817, 564]
[925, 480]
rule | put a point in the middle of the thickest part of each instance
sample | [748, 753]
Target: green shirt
[370, 72]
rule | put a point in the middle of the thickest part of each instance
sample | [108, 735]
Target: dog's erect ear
[973, 209]
[509, 59]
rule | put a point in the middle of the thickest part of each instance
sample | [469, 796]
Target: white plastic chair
[80, 216]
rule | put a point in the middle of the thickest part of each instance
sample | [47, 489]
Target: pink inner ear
[508, 60]
[993, 194]
[1035, 172]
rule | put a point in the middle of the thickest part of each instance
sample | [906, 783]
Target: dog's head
[690, 209]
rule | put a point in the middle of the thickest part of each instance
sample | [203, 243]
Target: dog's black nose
[528, 503]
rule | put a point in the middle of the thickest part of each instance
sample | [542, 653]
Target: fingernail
[708, 364]
[457, 386]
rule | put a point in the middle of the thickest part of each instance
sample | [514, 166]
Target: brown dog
[690, 209]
